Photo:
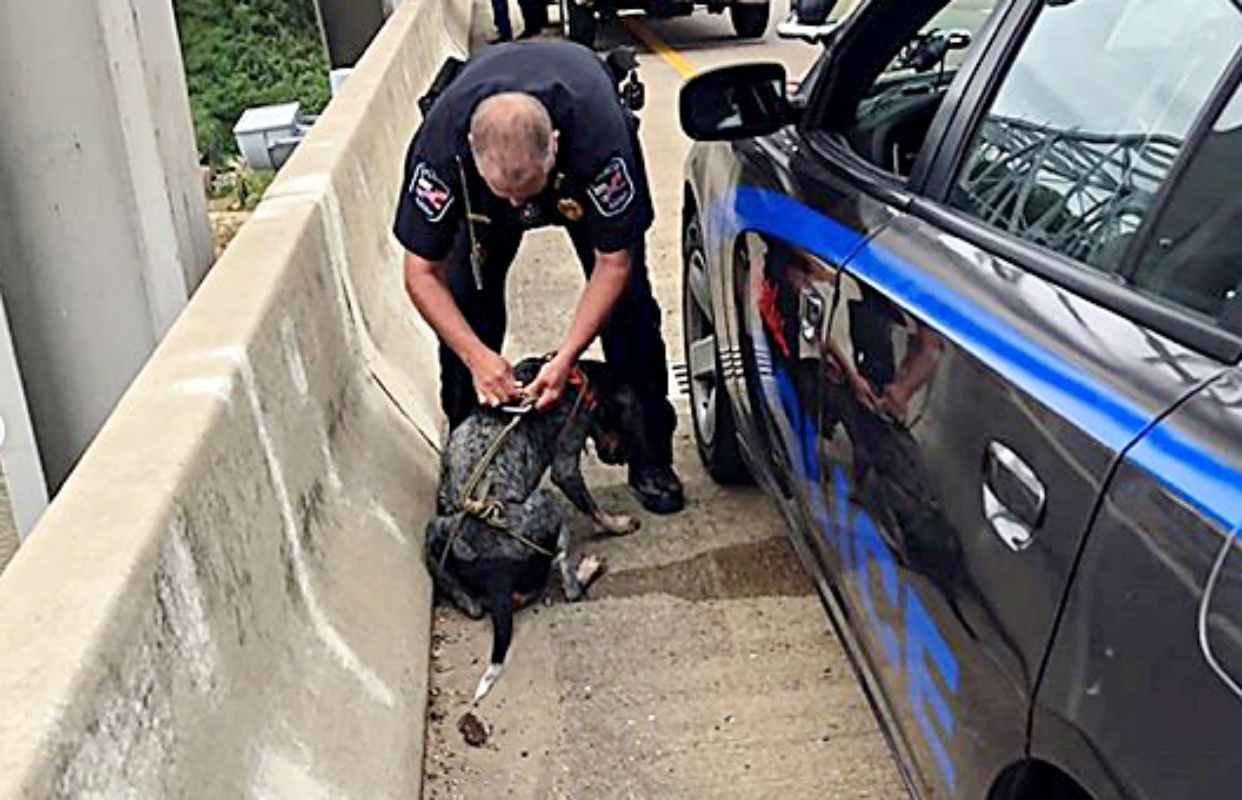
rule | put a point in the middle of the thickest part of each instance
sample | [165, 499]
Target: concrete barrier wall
[227, 598]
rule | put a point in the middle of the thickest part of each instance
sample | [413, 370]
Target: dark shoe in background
[530, 33]
[658, 489]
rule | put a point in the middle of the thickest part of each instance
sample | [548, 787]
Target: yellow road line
[849, 9]
[671, 57]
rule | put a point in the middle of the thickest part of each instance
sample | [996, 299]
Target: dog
[497, 537]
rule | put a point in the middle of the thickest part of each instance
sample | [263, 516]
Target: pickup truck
[580, 18]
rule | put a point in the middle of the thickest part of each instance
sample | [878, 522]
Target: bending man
[527, 135]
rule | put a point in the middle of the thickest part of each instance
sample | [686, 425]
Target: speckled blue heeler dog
[497, 536]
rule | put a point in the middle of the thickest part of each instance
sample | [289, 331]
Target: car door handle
[811, 314]
[1014, 499]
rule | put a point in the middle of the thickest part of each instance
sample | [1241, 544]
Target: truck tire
[578, 23]
[749, 21]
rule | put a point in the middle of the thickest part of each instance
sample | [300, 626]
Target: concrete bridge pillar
[103, 227]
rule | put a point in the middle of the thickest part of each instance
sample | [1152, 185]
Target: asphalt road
[702, 665]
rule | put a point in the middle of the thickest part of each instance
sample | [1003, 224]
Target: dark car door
[1142, 697]
[987, 376]
[1143, 693]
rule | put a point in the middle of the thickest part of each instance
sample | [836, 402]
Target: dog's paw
[590, 569]
[616, 524]
[471, 608]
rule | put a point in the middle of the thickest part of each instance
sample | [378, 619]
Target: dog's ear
[629, 416]
[599, 375]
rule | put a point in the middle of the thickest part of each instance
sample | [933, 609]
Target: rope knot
[491, 512]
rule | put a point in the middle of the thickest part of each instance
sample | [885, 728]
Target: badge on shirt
[569, 208]
[431, 194]
[612, 191]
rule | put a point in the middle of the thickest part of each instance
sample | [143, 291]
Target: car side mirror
[808, 21]
[735, 102]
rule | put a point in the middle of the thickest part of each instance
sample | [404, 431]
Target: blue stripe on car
[1112, 419]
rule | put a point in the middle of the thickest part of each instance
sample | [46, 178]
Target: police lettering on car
[592, 183]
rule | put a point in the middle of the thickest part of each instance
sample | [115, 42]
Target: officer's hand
[549, 384]
[494, 382]
[895, 403]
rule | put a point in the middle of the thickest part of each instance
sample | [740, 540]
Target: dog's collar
[578, 380]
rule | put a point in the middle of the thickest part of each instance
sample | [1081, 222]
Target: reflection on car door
[789, 295]
[968, 430]
[1143, 691]
[785, 295]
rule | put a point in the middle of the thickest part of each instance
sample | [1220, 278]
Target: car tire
[578, 23]
[711, 412]
[749, 21]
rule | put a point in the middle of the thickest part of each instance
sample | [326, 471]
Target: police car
[967, 304]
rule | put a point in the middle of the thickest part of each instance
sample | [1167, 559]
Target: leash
[492, 512]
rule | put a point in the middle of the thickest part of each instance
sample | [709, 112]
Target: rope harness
[491, 511]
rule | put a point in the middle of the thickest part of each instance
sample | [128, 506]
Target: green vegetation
[237, 187]
[241, 53]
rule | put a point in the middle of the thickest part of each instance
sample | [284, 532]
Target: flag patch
[612, 191]
[432, 195]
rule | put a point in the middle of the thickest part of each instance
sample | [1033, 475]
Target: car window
[960, 17]
[1090, 118]
[898, 106]
[1193, 256]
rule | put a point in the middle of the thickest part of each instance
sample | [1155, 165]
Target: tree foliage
[242, 53]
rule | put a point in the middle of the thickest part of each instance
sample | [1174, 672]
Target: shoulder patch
[612, 191]
[431, 194]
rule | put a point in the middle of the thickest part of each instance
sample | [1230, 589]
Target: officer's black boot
[651, 467]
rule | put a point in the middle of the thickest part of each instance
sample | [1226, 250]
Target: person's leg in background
[484, 310]
[534, 17]
[500, 18]
[634, 347]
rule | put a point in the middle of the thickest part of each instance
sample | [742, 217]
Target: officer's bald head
[514, 145]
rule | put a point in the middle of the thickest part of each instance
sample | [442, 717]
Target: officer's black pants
[631, 339]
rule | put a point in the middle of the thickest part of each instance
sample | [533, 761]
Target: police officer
[526, 135]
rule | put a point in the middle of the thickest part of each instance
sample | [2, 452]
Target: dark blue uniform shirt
[599, 179]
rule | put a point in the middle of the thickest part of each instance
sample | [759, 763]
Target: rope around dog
[492, 512]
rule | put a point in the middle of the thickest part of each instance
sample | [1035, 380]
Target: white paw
[616, 525]
[590, 568]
